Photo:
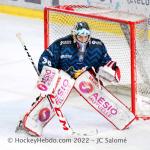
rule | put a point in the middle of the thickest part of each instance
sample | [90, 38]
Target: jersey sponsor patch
[65, 42]
[97, 42]
[66, 56]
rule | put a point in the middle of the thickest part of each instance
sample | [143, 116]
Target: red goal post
[125, 37]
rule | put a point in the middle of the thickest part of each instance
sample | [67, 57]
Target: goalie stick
[28, 54]
[62, 119]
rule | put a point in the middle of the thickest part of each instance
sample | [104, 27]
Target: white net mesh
[143, 69]
[114, 30]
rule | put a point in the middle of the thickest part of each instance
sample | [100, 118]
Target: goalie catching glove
[109, 72]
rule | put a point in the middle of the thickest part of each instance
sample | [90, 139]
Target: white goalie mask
[81, 29]
[81, 34]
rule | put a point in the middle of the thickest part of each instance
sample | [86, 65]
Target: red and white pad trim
[43, 110]
[110, 64]
[103, 101]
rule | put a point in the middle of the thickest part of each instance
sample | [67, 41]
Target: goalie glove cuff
[117, 74]
[113, 66]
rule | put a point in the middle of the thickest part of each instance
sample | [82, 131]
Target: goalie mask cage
[125, 37]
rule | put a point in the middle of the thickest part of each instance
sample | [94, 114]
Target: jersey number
[46, 61]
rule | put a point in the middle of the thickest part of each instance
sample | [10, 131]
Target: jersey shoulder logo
[96, 42]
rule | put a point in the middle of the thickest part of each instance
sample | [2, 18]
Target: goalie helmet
[81, 29]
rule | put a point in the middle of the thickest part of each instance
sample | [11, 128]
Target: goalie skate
[21, 130]
[103, 101]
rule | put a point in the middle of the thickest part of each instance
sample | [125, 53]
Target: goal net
[125, 37]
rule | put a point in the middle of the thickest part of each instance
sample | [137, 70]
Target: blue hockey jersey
[64, 53]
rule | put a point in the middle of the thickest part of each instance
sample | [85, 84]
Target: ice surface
[18, 79]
